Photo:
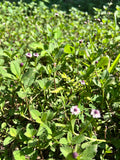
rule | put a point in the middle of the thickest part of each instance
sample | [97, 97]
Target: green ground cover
[59, 82]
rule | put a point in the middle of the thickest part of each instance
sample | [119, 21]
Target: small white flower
[95, 113]
[81, 41]
[56, 14]
[82, 82]
[35, 54]
[75, 110]
[28, 55]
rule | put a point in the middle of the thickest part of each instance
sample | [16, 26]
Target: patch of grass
[59, 82]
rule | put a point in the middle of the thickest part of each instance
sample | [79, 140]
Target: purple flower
[98, 19]
[95, 113]
[81, 41]
[56, 14]
[75, 110]
[35, 54]
[75, 154]
[11, 49]
[96, 62]
[28, 55]
[82, 82]
[21, 64]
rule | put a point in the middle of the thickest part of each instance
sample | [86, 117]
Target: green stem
[103, 95]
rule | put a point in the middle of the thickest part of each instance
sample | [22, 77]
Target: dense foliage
[59, 83]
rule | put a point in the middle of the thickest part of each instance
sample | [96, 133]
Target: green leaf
[114, 64]
[2, 104]
[1, 52]
[89, 71]
[30, 131]
[103, 62]
[8, 140]
[36, 45]
[36, 115]
[57, 33]
[42, 83]
[15, 68]
[44, 117]
[73, 124]
[18, 155]
[69, 137]
[28, 78]
[66, 150]
[105, 75]
[117, 39]
[13, 132]
[69, 49]
[40, 130]
[52, 47]
[96, 82]
[3, 125]
[4, 73]
[78, 139]
[47, 128]
[32, 143]
[1, 61]
[22, 94]
[50, 115]
[90, 150]
[63, 141]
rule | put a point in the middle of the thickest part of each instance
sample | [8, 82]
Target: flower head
[35, 54]
[98, 19]
[28, 55]
[75, 110]
[56, 14]
[75, 154]
[81, 41]
[82, 82]
[21, 64]
[96, 62]
[95, 113]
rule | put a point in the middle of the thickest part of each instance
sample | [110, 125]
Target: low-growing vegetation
[59, 83]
